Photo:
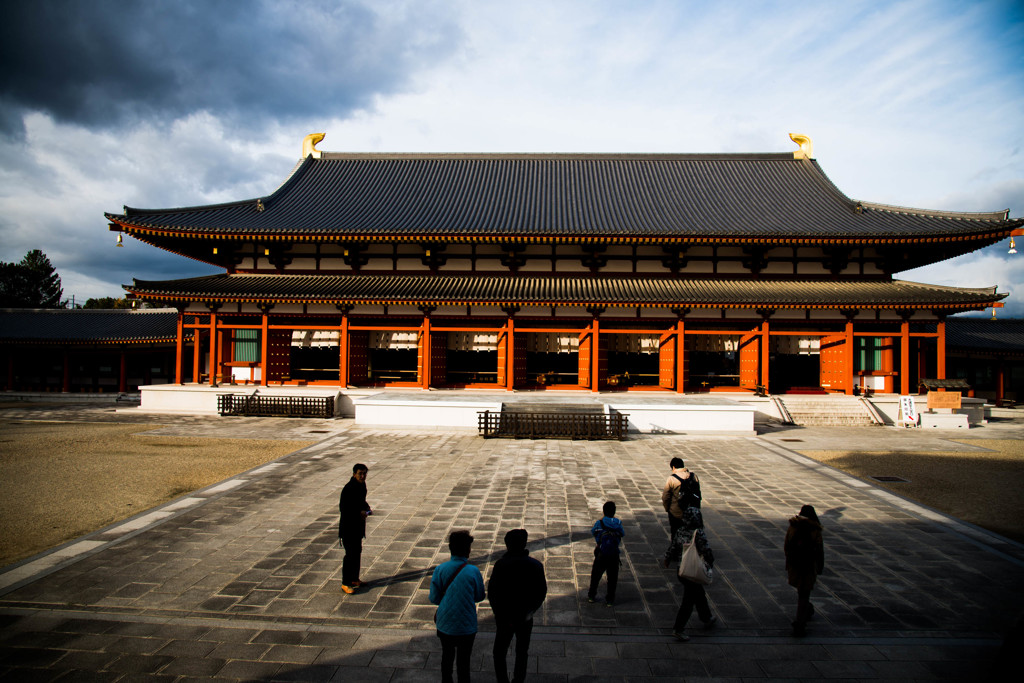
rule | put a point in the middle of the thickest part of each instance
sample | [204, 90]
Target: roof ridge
[561, 156]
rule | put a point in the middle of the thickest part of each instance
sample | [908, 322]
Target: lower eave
[563, 292]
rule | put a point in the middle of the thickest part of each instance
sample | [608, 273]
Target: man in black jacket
[352, 526]
[516, 590]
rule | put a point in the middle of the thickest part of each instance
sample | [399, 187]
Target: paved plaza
[242, 580]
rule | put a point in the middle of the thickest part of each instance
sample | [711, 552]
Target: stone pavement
[241, 581]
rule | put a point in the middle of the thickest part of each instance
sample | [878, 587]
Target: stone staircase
[834, 409]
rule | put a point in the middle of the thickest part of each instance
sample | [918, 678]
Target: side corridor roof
[22, 325]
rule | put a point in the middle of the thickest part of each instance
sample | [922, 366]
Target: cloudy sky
[151, 103]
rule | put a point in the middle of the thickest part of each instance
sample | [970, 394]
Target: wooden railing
[275, 406]
[552, 425]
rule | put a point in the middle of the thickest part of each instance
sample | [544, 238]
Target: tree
[107, 302]
[33, 283]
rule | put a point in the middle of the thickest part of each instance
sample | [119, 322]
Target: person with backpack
[608, 533]
[455, 587]
[691, 530]
[805, 560]
[516, 590]
[682, 490]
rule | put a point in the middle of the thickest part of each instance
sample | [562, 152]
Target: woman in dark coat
[805, 559]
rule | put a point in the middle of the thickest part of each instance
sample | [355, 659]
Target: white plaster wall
[655, 419]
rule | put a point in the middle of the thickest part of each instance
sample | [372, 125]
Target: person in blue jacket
[608, 532]
[455, 587]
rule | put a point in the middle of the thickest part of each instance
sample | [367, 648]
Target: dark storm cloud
[102, 63]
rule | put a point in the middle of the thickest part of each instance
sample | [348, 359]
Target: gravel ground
[61, 480]
[985, 488]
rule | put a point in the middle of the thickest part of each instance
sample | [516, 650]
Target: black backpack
[608, 543]
[689, 492]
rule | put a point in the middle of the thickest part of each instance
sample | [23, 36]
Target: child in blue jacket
[607, 533]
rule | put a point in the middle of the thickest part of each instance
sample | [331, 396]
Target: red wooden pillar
[343, 347]
[214, 349]
[179, 347]
[848, 352]
[197, 352]
[905, 356]
[765, 351]
[510, 354]
[680, 354]
[264, 346]
[940, 359]
[426, 349]
[122, 373]
[1000, 383]
[66, 385]
[595, 353]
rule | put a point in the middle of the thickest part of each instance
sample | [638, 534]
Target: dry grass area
[60, 480]
[984, 488]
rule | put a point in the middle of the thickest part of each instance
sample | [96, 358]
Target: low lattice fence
[553, 425]
[275, 406]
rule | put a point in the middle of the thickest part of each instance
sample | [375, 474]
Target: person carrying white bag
[690, 547]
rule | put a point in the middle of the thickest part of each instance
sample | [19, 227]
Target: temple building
[676, 273]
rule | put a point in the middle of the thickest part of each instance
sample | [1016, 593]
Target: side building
[87, 351]
[593, 272]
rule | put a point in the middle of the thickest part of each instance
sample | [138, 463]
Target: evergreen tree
[33, 283]
[107, 302]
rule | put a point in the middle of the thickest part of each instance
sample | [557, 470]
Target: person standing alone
[352, 526]
[516, 590]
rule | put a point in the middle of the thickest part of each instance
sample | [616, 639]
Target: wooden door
[279, 362]
[750, 360]
[834, 373]
[358, 360]
[439, 358]
[584, 358]
[667, 361]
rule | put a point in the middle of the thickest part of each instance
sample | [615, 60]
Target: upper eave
[656, 198]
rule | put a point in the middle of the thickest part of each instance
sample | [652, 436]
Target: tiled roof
[992, 335]
[624, 291]
[509, 196]
[87, 326]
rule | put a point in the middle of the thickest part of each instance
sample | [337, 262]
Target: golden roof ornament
[309, 144]
[806, 150]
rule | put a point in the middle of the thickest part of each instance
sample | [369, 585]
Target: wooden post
[197, 350]
[848, 351]
[122, 373]
[343, 348]
[264, 345]
[510, 354]
[765, 352]
[905, 355]
[214, 349]
[66, 386]
[940, 360]
[680, 356]
[179, 346]
[1000, 383]
[425, 349]
[595, 355]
